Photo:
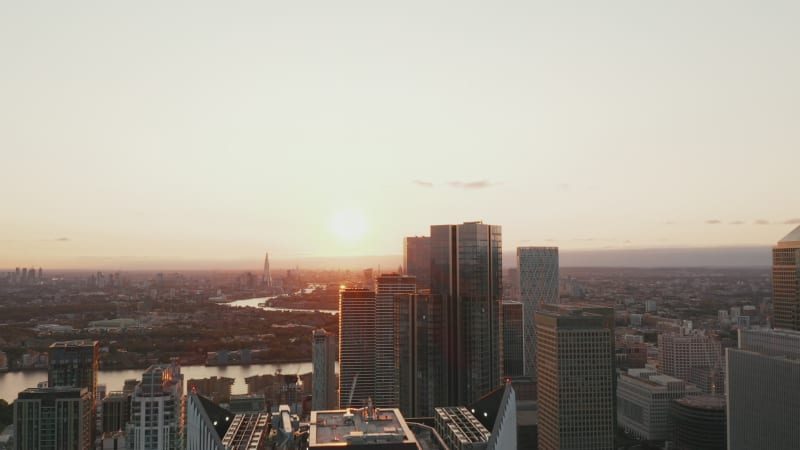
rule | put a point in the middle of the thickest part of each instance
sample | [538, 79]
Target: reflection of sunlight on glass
[348, 224]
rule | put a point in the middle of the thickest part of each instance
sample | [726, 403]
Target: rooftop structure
[366, 428]
[460, 429]
[247, 431]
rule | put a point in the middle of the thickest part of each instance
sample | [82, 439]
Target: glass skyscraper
[466, 270]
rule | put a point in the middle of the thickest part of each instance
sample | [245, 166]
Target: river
[255, 301]
[11, 383]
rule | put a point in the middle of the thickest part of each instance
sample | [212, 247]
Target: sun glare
[348, 224]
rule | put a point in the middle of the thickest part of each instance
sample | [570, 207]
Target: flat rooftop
[363, 427]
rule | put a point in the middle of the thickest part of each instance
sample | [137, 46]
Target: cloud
[63, 239]
[712, 222]
[669, 222]
[737, 222]
[421, 183]
[563, 187]
[761, 222]
[792, 221]
[481, 184]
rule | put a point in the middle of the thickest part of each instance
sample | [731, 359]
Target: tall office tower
[356, 346]
[538, 285]
[417, 259]
[513, 355]
[786, 281]
[764, 390]
[53, 419]
[24, 279]
[467, 271]
[157, 412]
[694, 357]
[323, 357]
[75, 364]
[418, 328]
[40, 274]
[575, 376]
[267, 278]
[386, 375]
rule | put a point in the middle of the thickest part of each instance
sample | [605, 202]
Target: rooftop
[710, 402]
[363, 426]
[794, 236]
[74, 344]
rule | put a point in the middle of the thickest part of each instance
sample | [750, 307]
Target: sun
[348, 224]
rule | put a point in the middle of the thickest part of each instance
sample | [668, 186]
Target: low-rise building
[643, 402]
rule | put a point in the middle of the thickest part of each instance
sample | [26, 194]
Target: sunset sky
[212, 131]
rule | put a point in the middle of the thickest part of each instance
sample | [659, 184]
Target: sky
[215, 131]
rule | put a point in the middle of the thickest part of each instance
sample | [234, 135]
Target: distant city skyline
[163, 134]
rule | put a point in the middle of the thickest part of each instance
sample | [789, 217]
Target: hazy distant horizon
[722, 257]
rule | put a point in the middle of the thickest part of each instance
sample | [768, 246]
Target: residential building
[116, 411]
[786, 281]
[55, 418]
[764, 390]
[466, 270]
[157, 411]
[75, 364]
[575, 378]
[323, 357]
[538, 285]
[417, 260]
[692, 356]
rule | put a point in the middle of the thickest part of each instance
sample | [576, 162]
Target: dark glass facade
[466, 270]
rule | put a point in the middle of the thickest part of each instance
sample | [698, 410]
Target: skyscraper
[323, 357]
[356, 346]
[267, 277]
[55, 418]
[417, 259]
[513, 320]
[538, 285]
[75, 364]
[386, 375]
[466, 270]
[764, 390]
[786, 281]
[575, 376]
[157, 413]
[418, 331]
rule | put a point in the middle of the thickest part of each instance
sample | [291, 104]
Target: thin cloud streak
[792, 221]
[713, 222]
[761, 222]
[422, 183]
[481, 184]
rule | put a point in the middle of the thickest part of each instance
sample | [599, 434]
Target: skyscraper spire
[267, 278]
